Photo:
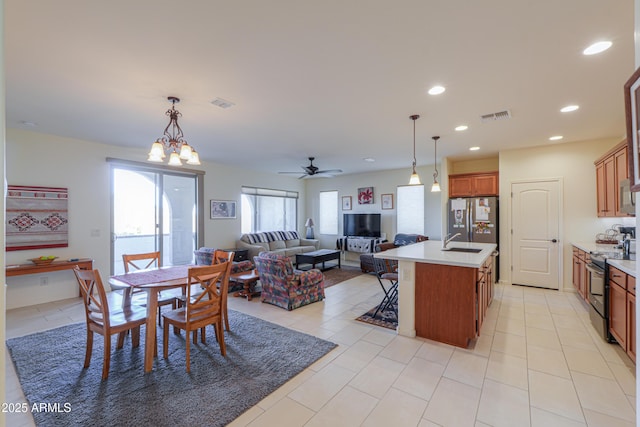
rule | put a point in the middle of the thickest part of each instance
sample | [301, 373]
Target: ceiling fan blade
[330, 171]
[296, 173]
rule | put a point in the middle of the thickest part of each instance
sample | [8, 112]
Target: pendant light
[435, 188]
[415, 179]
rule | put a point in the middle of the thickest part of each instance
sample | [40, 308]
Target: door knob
[553, 241]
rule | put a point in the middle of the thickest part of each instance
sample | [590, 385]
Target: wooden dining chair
[200, 310]
[219, 256]
[103, 321]
[144, 261]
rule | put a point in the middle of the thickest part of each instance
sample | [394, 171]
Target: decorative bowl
[38, 261]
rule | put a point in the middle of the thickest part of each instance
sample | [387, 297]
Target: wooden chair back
[141, 261]
[204, 308]
[94, 297]
[222, 256]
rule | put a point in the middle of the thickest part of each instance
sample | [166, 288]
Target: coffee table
[248, 280]
[317, 257]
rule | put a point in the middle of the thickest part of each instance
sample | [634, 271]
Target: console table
[31, 268]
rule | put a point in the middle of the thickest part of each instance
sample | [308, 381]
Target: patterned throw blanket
[144, 277]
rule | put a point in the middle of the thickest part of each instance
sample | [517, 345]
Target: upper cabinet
[473, 184]
[611, 169]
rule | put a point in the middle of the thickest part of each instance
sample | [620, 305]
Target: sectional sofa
[286, 243]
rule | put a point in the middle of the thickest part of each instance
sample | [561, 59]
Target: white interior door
[535, 222]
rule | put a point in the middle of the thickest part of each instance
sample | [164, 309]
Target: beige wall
[47, 160]
[489, 164]
[573, 162]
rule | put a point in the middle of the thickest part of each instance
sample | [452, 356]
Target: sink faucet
[446, 241]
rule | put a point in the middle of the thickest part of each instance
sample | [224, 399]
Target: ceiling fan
[312, 170]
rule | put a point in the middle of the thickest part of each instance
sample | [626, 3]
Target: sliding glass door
[154, 210]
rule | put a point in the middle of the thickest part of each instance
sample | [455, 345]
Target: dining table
[153, 281]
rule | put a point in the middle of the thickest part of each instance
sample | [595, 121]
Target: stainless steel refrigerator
[475, 218]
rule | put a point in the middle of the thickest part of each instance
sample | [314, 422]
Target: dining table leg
[150, 339]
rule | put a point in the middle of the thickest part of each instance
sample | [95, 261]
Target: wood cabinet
[631, 325]
[580, 261]
[618, 306]
[611, 169]
[622, 309]
[451, 302]
[473, 184]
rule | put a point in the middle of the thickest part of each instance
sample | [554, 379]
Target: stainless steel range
[598, 285]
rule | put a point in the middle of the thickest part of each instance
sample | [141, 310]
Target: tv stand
[359, 244]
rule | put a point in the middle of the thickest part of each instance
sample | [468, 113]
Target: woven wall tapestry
[36, 218]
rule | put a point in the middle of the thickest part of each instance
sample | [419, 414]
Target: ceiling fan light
[174, 159]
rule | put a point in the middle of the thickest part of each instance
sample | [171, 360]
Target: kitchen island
[443, 294]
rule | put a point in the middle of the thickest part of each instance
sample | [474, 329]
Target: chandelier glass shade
[415, 178]
[435, 188]
[173, 142]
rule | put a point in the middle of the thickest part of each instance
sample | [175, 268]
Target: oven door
[597, 289]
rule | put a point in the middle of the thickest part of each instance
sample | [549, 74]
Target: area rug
[386, 319]
[337, 275]
[261, 356]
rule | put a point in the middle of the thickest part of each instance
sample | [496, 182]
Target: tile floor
[538, 362]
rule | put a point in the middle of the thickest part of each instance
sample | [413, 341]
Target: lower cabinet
[618, 313]
[631, 325]
[622, 310]
[580, 260]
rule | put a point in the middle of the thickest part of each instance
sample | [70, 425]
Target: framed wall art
[632, 110]
[387, 201]
[346, 203]
[223, 209]
[36, 218]
[365, 196]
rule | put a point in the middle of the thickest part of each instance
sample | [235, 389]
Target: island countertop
[430, 252]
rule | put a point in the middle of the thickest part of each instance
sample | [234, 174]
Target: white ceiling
[334, 79]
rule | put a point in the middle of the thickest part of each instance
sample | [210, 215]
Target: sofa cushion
[292, 243]
[277, 244]
[255, 238]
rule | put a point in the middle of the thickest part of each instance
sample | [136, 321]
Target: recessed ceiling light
[555, 138]
[436, 90]
[597, 48]
[369, 159]
[27, 123]
[569, 108]
[462, 127]
[474, 148]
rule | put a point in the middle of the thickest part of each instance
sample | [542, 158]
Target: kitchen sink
[470, 250]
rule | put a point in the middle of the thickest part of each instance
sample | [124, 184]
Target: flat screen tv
[361, 225]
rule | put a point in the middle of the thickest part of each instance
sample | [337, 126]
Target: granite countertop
[431, 252]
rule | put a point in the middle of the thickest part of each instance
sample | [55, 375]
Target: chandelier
[173, 142]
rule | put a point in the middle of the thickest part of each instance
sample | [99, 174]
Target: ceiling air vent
[500, 115]
[222, 103]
